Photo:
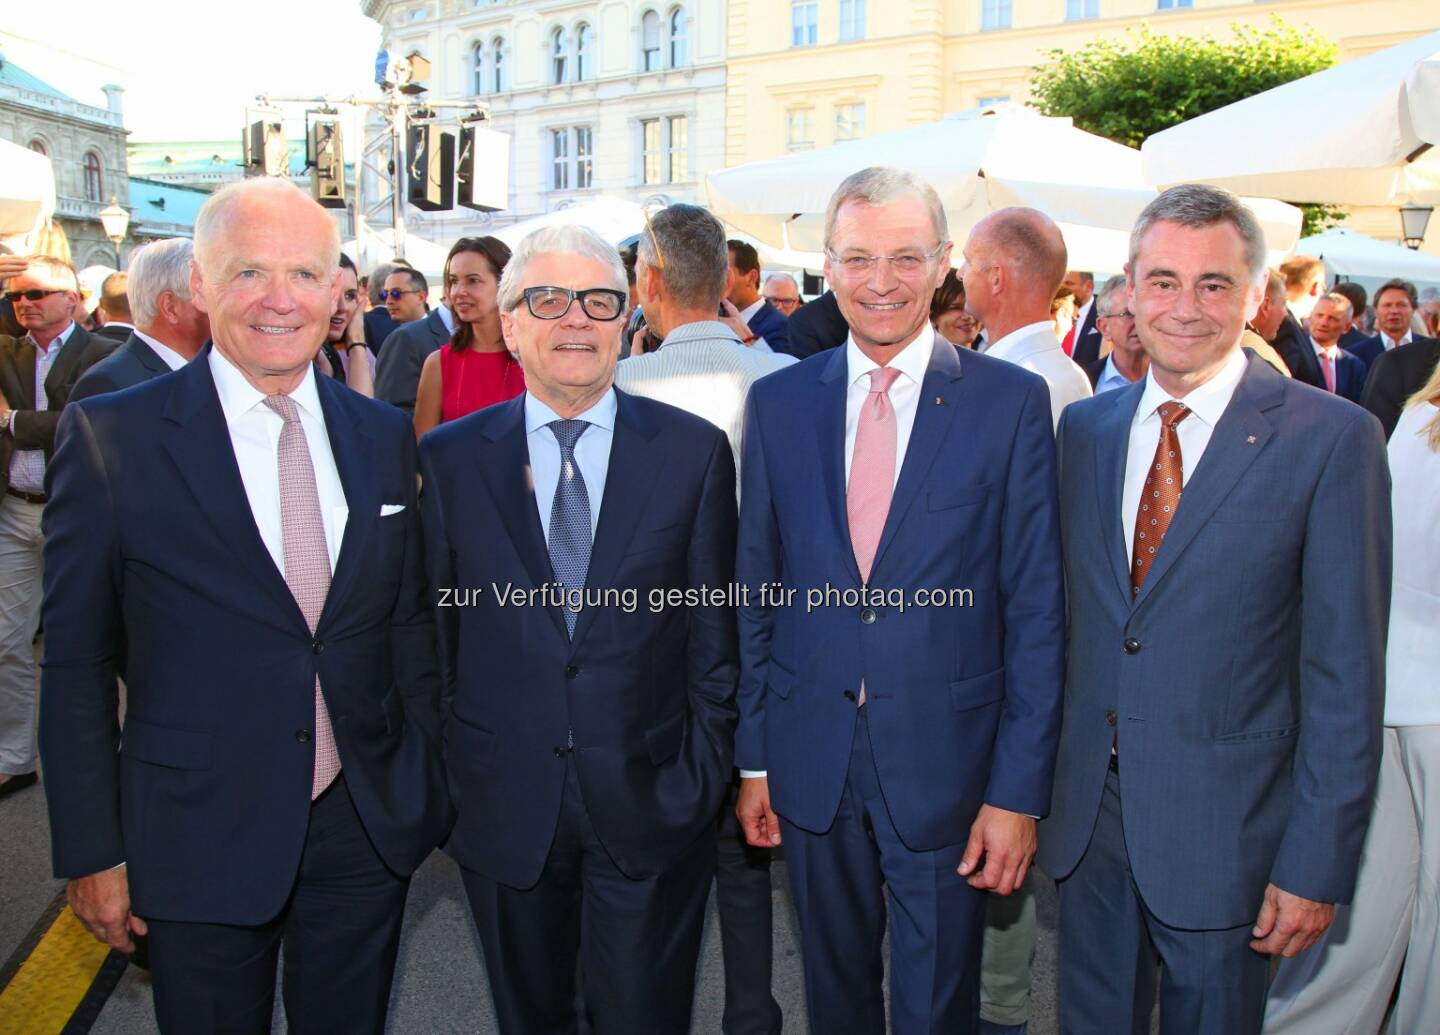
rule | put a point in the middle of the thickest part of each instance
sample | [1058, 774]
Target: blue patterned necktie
[570, 516]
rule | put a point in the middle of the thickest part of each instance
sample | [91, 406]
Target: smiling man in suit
[1226, 669]
[239, 541]
[892, 741]
[590, 712]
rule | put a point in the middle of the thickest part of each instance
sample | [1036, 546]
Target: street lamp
[116, 221]
[1413, 220]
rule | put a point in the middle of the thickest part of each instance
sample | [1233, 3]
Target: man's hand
[757, 819]
[101, 901]
[1288, 924]
[13, 266]
[1007, 841]
[732, 320]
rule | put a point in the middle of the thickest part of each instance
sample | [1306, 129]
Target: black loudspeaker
[430, 171]
[326, 153]
[263, 144]
[483, 168]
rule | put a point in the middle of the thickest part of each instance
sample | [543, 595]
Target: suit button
[1110, 718]
[303, 736]
[571, 671]
[559, 752]
[318, 647]
[850, 695]
[868, 616]
[1131, 645]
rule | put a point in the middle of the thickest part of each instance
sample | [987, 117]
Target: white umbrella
[1361, 133]
[1368, 261]
[614, 219]
[978, 161]
[27, 192]
[378, 245]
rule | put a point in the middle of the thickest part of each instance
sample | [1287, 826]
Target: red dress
[472, 380]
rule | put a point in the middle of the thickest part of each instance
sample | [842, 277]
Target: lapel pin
[1250, 439]
[939, 401]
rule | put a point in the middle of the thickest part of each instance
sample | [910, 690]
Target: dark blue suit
[1350, 373]
[155, 572]
[1242, 687]
[771, 324]
[131, 364]
[616, 747]
[963, 702]
[1367, 349]
[397, 371]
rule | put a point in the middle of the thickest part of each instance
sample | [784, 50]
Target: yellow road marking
[54, 978]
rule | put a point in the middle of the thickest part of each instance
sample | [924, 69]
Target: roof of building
[155, 202]
[12, 74]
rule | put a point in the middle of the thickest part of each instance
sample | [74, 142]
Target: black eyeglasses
[551, 303]
[33, 295]
[398, 293]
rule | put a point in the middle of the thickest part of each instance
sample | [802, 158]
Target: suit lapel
[934, 414]
[1112, 447]
[1239, 437]
[352, 445]
[62, 371]
[834, 386]
[198, 441]
[25, 355]
[146, 356]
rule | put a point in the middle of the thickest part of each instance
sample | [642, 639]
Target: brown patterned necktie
[307, 562]
[1161, 496]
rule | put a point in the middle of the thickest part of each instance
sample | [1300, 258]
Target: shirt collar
[238, 396]
[57, 342]
[1207, 402]
[1333, 351]
[1394, 343]
[1111, 372]
[172, 359]
[446, 317]
[751, 309]
[912, 361]
[700, 330]
[1023, 332]
[601, 413]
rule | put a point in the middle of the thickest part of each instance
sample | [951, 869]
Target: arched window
[650, 42]
[94, 178]
[477, 65]
[679, 43]
[497, 63]
[584, 51]
[38, 146]
[558, 58]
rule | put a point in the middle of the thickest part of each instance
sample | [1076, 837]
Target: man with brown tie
[239, 541]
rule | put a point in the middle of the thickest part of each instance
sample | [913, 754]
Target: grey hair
[697, 258]
[1343, 302]
[783, 276]
[1197, 206]
[216, 211]
[879, 185]
[569, 239]
[1105, 296]
[154, 269]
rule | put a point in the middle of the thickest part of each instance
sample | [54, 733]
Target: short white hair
[216, 210]
[880, 185]
[155, 269]
[569, 239]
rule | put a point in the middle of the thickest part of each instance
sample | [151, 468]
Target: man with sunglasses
[575, 534]
[37, 373]
[397, 372]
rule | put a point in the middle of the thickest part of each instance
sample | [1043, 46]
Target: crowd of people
[615, 572]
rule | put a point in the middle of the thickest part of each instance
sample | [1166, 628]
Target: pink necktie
[872, 470]
[307, 562]
[1329, 365]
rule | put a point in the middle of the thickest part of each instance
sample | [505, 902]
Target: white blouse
[1412, 661]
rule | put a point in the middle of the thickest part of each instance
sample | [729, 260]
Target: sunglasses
[395, 294]
[33, 295]
[551, 303]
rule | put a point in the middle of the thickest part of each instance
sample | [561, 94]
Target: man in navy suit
[765, 321]
[1082, 343]
[1226, 668]
[419, 333]
[578, 536]
[1344, 374]
[901, 670]
[239, 542]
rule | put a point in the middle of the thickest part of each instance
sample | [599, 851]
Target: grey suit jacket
[397, 374]
[1244, 684]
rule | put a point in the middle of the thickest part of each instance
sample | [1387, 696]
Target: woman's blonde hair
[1429, 393]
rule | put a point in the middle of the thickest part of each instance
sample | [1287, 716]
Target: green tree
[1125, 90]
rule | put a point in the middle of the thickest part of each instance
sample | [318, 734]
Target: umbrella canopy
[1370, 262]
[612, 218]
[27, 190]
[978, 162]
[1379, 116]
[378, 245]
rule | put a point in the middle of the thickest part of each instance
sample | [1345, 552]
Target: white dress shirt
[27, 466]
[1206, 403]
[746, 314]
[255, 437]
[1412, 654]
[1332, 353]
[446, 317]
[1391, 343]
[912, 361]
[1110, 377]
[172, 359]
[592, 453]
[1034, 347]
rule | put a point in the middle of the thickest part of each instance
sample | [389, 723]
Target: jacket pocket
[978, 691]
[160, 745]
[951, 496]
[1259, 736]
[779, 680]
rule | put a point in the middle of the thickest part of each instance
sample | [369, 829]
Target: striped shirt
[27, 466]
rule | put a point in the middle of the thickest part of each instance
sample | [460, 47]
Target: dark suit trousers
[637, 942]
[936, 918]
[1111, 950]
[340, 931]
[743, 894]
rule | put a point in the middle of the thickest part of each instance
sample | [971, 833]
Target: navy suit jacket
[1245, 682]
[1350, 373]
[155, 572]
[772, 325]
[397, 371]
[1086, 349]
[646, 695]
[1395, 376]
[816, 326]
[130, 364]
[963, 702]
[1292, 341]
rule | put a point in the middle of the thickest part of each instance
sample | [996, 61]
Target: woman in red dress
[475, 369]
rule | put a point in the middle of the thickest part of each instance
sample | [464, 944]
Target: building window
[804, 23]
[584, 51]
[94, 178]
[1174, 5]
[993, 99]
[679, 147]
[665, 149]
[1080, 10]
[584, 158]
[849, 121]
[679, 42]
[650, 150]
[995, 14]
[650, 42]
[560, 159]
[497, 63]
[417, 15]
[567, 171]
[477, 66]
[38, 146]
[852, 20]
[558, 56]
[800, 129]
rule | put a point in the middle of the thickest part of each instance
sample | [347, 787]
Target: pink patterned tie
[1329, 365]
[872, 470]
[307, 562]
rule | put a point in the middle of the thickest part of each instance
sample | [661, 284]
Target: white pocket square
[386, 509]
